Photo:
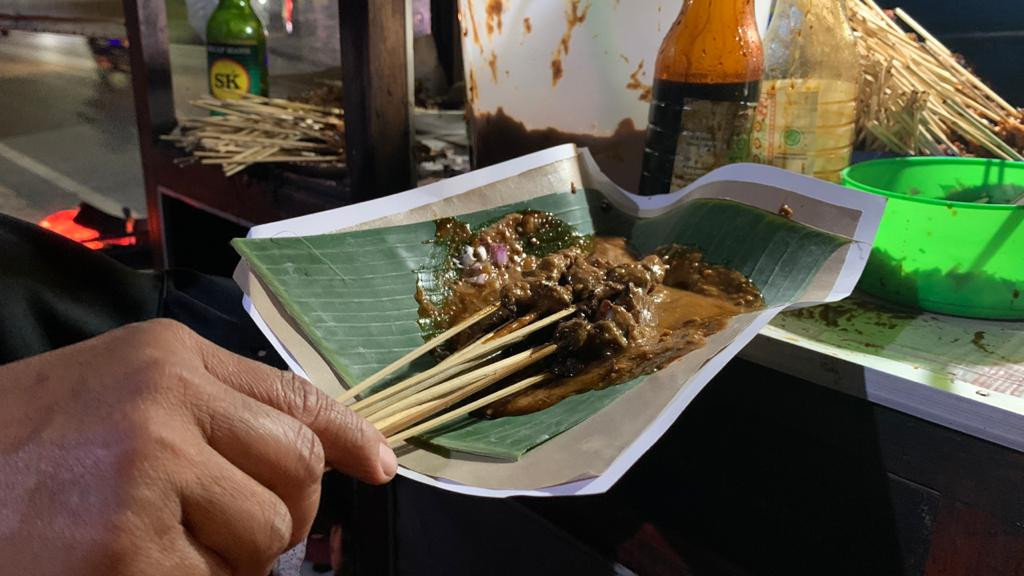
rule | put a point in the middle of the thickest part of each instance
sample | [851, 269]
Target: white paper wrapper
[592, 456]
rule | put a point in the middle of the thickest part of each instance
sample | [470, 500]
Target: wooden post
[146, 24]
[375, 61]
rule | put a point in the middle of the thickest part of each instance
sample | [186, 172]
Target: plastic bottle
[706, 83]
[805, 120]
[236, 51]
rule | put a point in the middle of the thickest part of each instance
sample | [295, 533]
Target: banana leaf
[352, 293]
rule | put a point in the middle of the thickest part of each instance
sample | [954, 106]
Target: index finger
[351, 444]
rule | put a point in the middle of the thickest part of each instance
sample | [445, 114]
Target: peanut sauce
[634, 315]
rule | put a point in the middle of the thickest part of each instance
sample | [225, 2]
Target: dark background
[989, 33]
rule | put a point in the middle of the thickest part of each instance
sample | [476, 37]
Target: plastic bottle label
[234, 70]
[784, 127]
[713, 133]
[806, 126]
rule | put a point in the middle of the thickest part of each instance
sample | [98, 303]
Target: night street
[67, 135]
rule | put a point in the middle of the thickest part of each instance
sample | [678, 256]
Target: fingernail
[388, 461]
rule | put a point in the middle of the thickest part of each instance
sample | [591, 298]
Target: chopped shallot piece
[499, 254]
[468, 258]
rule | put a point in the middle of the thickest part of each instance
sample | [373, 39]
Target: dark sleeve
[55, 292]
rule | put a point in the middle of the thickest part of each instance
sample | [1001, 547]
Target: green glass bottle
[236, 51]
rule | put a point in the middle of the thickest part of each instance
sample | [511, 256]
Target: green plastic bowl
[940, 247]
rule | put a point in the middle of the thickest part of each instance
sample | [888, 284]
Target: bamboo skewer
[477, 350]
[881, 18]
[403, 420]
[916, 97]
[462, 353]
[296, 105]
[259, 140]
[257, 130]
[444, 369]
[427, 377]
[400, 410]
[492, 345]
[370, 408]
[493, 372]
[244, 159]
[247, 153]
[273, 106]
[415, 354]
[397, 438]
[947, 56]
[980, 128]
[227, 126]
[267, 159]
[406, 418]
[288, 106]
[517, 323]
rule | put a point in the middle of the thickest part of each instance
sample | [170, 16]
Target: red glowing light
[63, 222]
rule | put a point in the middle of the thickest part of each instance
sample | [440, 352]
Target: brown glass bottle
[706, 85]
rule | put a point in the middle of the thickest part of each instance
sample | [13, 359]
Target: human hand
[149, 450]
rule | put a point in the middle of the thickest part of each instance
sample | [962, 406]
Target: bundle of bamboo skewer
[254, 129]
[436, 396]
[917, 98]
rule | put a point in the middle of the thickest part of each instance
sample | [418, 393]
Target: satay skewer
[476, 350]
[485, 347]
[416, 353]
[447, 372]
[410, 416]
[397, 438]
[367, 409]
[398, 422]
[497, 370]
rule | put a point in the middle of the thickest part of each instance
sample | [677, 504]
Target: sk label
[228, 79]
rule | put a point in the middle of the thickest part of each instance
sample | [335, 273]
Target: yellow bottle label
[806, 126]
[228, 79]
[234, 70]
